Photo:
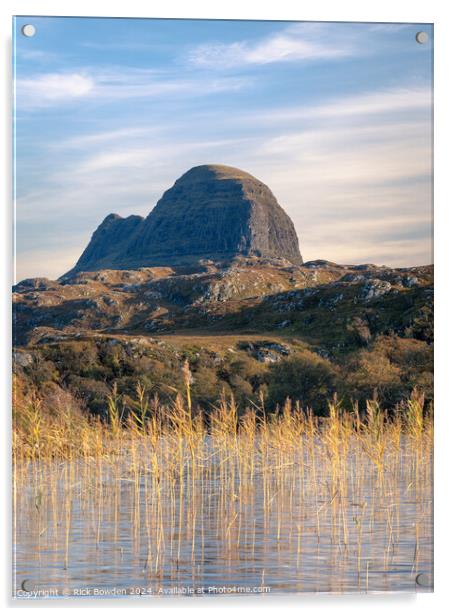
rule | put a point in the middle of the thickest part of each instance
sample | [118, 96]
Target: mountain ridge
[304, 331]
[211, 212]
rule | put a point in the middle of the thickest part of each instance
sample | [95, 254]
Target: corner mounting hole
[28, 30]
[422, 579]
[422, 38]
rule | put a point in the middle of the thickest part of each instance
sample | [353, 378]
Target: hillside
[253, 326]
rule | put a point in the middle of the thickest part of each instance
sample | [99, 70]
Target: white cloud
[289, 45]
[369, 103]
[353, 155]
[120, 159]
[103, 138]
[357, 186]
[35, 55]
[122, 83]
[51, 88]
[144, 157]
[128, 176]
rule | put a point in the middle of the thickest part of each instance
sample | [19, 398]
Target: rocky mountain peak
[211, 212]
[212, 172]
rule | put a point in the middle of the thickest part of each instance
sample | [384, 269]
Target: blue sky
[335, 118]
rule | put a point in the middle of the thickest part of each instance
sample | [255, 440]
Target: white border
[319, 10]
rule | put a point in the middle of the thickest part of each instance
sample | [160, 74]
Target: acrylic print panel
[223, 376]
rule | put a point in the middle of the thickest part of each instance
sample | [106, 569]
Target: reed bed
[169, 494]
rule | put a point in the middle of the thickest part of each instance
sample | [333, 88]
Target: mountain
[214, 276]
[109, 241]
[212, 212]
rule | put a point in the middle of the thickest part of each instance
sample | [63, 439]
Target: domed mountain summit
[212, 212]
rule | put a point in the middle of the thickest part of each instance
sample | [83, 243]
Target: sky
[334, 117]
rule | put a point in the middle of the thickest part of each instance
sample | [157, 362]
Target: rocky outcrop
[212, 212]
[251, 293]
[375, 288]
[108, 243]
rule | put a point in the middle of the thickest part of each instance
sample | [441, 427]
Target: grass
[68, 433]
[181, 475]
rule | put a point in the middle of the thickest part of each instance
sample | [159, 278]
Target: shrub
[92, 393]
[305, 377]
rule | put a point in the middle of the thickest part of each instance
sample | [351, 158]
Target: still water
[119, 527]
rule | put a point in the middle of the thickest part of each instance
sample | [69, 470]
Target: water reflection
[222, 525]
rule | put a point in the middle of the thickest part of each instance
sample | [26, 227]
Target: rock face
[108, 242]
[212, 212]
